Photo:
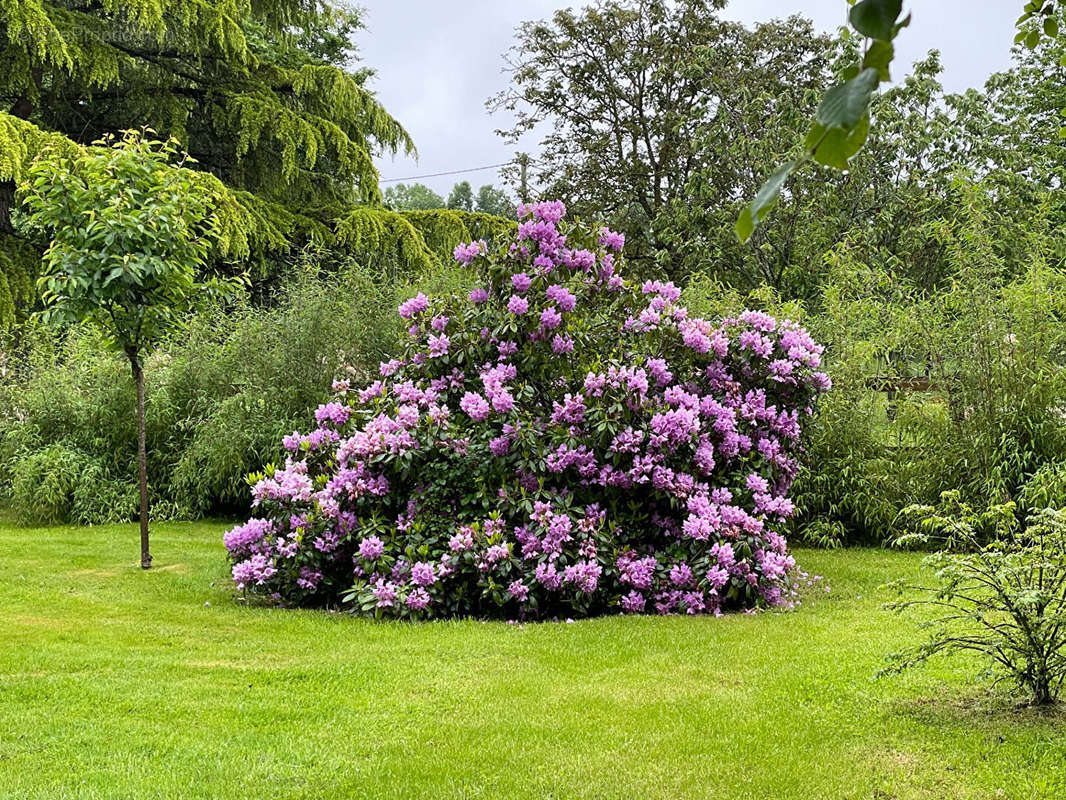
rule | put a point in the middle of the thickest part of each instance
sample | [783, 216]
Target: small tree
[128, 232]
[1000, 591]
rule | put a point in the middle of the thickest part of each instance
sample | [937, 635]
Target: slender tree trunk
[142, 457]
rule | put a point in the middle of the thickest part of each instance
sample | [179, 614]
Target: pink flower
[462, 541]
[438, 345]
[416, 305]
[422, 574]
[612, 241]
[418, 599]
[550, 318]
[371, 548]
[562, 297]
[465, 253]
[476, 407]
[633, 602]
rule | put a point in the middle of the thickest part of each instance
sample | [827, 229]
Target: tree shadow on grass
[982, 708]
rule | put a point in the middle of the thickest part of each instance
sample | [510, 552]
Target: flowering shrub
[559, 442]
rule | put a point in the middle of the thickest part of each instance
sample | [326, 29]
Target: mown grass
[116, 683]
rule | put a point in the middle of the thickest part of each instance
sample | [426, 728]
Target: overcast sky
[439, 60]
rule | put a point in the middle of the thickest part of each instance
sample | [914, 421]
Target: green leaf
[1032, 39]
[814, 137]
[756, 212]
[844, 104]
[876, 18]
[879, 57]
[1051, 27]
[837, 146]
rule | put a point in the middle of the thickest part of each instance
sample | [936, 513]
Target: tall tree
[893, 187]
[128, 236]
[842, 123]
[461, 197]
[490, 200]
[265, 94]
[642, 95]
[262, 94]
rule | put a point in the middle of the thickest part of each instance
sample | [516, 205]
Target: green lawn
[116, 683]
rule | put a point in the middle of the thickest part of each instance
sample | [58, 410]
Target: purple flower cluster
[560, 442]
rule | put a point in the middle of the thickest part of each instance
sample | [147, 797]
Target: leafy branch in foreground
[1000, 591]
[842, 121]
[1044, 11]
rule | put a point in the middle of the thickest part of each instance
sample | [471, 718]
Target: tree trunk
[22, 109]
[142, 458]
[7, 202]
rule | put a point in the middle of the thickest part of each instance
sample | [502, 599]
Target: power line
[438, 174]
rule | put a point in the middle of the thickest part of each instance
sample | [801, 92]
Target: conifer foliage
[260, 93]
[265, 95]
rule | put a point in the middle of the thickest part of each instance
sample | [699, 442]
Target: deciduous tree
[129, 233]
[413, 197]
[654, 94]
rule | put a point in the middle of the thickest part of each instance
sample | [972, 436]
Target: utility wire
[438, 174]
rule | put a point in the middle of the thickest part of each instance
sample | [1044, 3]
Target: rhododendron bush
[558, 443]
